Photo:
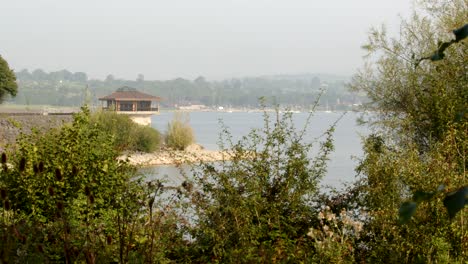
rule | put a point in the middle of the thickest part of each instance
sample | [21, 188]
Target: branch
[460, 34]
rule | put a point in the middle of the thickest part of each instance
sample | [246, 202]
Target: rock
[194, 153]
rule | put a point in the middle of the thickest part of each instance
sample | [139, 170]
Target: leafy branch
[454, 202]
[460, 34]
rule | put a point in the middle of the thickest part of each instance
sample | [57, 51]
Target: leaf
[439, 53]
[459, 116]
[420, 196]
[437, 56]
[407, 210]
[455, 201]
[105, 167]
[461, 33]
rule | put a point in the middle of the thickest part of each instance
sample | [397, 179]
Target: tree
[110, 78]
[315, 83]
[140, 78]
[23, 75]
[200, 80]
[39, 75]
[80, 77]
[420, 97]
[256, 206]
[8, 85]
[420, 142]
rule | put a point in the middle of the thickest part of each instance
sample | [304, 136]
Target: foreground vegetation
[414, 171]
[66, 197]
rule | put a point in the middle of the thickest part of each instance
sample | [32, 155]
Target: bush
[62, 185]
[147, 139]
[65, 198]
[179, 133]
[256, 207]
[119, 126]
[414, 166]
[127, 134]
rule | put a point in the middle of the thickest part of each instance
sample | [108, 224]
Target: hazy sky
[187, 38]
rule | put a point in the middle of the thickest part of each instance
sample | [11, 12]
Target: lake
[206, 126]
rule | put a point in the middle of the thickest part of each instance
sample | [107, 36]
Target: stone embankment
[12, 125]
[192, 154]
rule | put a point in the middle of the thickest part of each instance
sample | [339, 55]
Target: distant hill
[64, 88]
[309, 76]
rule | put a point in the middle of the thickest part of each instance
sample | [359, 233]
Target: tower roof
[129, 94]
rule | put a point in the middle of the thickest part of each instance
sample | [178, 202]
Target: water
[207, 128]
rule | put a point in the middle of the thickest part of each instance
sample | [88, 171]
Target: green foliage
[460, 34]
[179, 134]
[456, 201]
[420, 141]
[257, 206]
[8, 84]
[147, 139]
[66, 198]
[121, 127]
[45, 157]
[63, 180]
[127, 134]
[419, 103]
[406, 211]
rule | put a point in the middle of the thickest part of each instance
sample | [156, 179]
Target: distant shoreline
[49, 109]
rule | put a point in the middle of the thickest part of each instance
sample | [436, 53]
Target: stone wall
[12, 125]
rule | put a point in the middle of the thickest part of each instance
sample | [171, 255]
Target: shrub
[256, 207]
[414, 166]
[63, 185]
[179, 133]
[65, 198]
[127, 134]
[146, 139]
[121, 127]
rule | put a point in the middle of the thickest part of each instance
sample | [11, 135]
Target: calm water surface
[206, 126]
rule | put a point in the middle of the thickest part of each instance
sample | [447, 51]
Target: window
[144, 105]
[126, 106]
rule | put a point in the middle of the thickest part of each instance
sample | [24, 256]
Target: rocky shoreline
[192, 154]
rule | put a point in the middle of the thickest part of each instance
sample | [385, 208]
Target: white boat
[290, 111]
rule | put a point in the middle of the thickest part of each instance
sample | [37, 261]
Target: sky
[216, 39]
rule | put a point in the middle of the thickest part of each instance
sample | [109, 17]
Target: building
[127, 100]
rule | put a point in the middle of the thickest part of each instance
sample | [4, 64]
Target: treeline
[64, 88]
[41, 75]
